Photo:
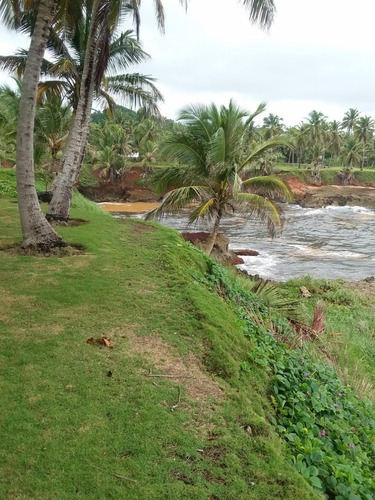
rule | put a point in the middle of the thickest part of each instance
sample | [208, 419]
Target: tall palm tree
[93, 70]
[317, 125]
[213, 155]
[349, 121]
[36, 231]
[351, 152]
[273, 126]
[334, 138]
[52, 123]
[364, 132]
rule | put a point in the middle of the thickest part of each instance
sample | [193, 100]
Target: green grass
[69, 430]
[328, 174]
[348, 341]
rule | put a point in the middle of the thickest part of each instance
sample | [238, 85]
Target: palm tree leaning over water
[212, 155]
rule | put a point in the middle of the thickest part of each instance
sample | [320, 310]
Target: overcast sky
[319, 54]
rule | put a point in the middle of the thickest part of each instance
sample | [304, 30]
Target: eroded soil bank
[309, 196]
[132, 188]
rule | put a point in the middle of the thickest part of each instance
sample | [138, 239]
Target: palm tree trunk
[36, 231]
[213, 236]
[78, 133]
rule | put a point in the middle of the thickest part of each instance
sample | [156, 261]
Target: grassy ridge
[80, 420]
[365, 177]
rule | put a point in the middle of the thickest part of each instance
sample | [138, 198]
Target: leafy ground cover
[88, 419]
[329, 430]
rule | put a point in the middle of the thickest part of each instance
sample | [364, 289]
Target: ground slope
[160, 408]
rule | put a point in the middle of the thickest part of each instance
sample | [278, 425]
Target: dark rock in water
[247, 253]
[369, 279]
[237, 260]
[45, 196]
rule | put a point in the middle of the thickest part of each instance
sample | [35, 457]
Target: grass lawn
[83, 420]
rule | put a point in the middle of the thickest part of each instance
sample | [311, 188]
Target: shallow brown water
[135, 208]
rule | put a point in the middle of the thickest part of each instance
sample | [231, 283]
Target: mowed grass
[82, 420]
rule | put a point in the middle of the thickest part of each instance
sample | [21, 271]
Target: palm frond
[125, 50]
[217, 151]
[269, 186]
[260, 208]
[11, 13]
[187, 150]
[175, 200]
[262, 12]
[260, 149]
[135, 90]
[175, 176]
[261, 107]
[207, 209]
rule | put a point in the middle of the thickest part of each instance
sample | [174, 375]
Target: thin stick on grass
[114, 474]
[167, 376]
[178, 400]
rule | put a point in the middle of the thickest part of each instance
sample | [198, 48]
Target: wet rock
[237, 260]
[246, 253]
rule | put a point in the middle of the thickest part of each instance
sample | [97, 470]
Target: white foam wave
[307, 251]
[263, 264]
[357, 210]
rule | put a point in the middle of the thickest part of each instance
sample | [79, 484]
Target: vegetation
[65, 391]
[91, 417]
[212, 152]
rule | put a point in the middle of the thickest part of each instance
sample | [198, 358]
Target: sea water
[330, 242]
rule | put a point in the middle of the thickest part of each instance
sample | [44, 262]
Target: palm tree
[334, 137]
[273, 126]
[350, 119]
[317, 131]
[109, 147]
[351, 152]
[9, 109]
[364, 132]
[52, 123]
[93, 71]
[212, 155]
[36, 231]
[298, 137]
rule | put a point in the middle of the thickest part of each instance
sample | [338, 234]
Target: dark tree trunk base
[58, 250]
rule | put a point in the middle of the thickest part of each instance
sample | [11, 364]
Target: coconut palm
[364, 132]
[36, 231]
[212, 155]
[65, 75]
[52, 123]
[317, 130]
[334, 137]
[349, 120]
[273, 126]
[351, 152]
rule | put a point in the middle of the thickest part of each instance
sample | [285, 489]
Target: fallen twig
[114, 474]
[167, 376]
[178, 400]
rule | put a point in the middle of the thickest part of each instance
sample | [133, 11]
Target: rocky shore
[131, 188]
[309, 196]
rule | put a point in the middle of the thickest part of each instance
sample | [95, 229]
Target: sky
[318, 54]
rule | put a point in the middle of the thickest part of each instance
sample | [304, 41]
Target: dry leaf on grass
[103, 341]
